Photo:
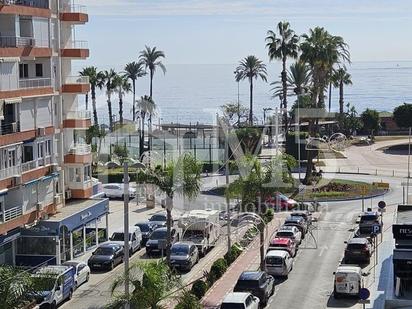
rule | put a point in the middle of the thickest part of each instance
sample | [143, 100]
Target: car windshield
[356, 246]
[247, 284]
[368, 218]
[278, 245]
[232, 306]
[104, 251]
[158, 218]
[144, 227]
[274, 260]
[284, 234]
[158, 234]
[180, 250]
[119, 236]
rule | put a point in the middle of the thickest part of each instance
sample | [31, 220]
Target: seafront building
[48, 206]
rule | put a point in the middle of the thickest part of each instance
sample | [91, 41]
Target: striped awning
[9, 59]
[13, 100]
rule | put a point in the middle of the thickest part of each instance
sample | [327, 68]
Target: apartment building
[45, 163]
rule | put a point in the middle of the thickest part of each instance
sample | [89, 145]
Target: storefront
[74, 230]
[8, 247]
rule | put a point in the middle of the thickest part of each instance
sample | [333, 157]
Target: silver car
[183, 255]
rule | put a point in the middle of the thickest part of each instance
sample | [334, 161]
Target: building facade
[44, 159]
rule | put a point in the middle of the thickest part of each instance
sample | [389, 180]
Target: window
[23, 70]
[48, 147]
[27, 154]
[39, 70]
[12, 158]
[75, 174]
[40, 150]
[87, 173]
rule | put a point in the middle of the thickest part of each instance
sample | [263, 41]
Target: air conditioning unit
[58, 199]
[14, 127]
[41, 132]
[16, 181]
[68, 194]
[39, 206]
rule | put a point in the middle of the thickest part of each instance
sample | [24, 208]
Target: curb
[347, 199]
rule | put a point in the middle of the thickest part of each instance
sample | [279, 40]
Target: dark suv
[157, 241]
[370, 223]
[358, 250]
[257, 283]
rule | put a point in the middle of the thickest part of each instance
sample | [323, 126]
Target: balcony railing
[9, 128]
[76, 8]
[35, 83]
[31, 165]
[12, 213]
[76, 45]
[76, 80]
[10, 172]
[79, 115]
[80, 149]
[13, 41]
[43, 4]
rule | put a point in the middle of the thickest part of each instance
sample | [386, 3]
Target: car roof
[370, 213]
[280, 240]
[73, 263]
[277, 253]
[348, 269]
[287, 228]
[236, 297]
[359, 240]
[183, 243]
[250, 275]
[143, 222]
[294, 219]
[109, 245]
[160, 214]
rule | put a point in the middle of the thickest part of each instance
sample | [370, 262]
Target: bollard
[358, 170]
[376, 172]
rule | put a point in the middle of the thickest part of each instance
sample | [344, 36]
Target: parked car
[106, 257]
[278, 263]
[358, 250]
[258, 283]
[291, 232]
[158, 219]
[370, 223]
[306, 215]
[147, 228]
[238, 300]
[299, 222]
[116, 190]
[135, 238]
[348, 281]
[285, 244]
[183, 255]
[281, 201]
[157, 240]
[82, 272]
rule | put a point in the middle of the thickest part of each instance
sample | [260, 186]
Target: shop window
[36, 246]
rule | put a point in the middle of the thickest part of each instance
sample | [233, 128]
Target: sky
[225, 31]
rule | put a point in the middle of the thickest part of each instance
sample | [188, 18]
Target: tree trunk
[109, 106]
[262, 246]
[251, 103]
[141, 141]
[168, 232]
[151, 83]
[87, 101]
[121, 109]
[341, 98]
[96, 122]
[134, 100]
[285, 94]
[330, 96]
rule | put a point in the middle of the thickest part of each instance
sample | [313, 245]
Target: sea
[194, 93]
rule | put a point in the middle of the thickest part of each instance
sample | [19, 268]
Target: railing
[76, 45]
[76, 8]
[14, 41]
[10, 172]
[79, 115]
[12, 213]
[43, 4]
[10, 128]
[35, 83]
[28, 166]
[70, 80]
[80, 149]
[44, 161]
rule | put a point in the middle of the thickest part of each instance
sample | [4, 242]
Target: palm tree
[181, 177]
[150, 58]
[281, 47]
[340, 78]
[96, 81]
[299, 77]
[122, 87]
[133, 71]
[147, 107]
[109, 82]
[321, 51]
[251, 68]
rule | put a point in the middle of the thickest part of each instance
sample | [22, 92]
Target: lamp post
[236, 72]
[409, 166]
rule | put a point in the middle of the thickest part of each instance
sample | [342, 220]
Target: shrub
[199, 289]
[217, 270]
[268, 215]
[188, 301]
[233, 254]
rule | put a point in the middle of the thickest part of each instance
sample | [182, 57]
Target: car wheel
[87, 278]
[112, 265]
[70, 295]
[53, 305]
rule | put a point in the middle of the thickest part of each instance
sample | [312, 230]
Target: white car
[82, 274]
[240, 300]
[348, 281]
[291, 232]
[135, 238]
[116, 190]
[278, 263]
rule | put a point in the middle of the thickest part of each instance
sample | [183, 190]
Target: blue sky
[224, 31]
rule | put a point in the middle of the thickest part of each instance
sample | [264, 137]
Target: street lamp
[236, 72]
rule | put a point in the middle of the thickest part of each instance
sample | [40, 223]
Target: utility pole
[126, 230]
[299, 164]
[229, 245]
[277, 130]
[409, 167]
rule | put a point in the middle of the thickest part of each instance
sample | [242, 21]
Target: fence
[35, 83]
[76, 45]
[12, 213]
[78, 115]
[74, 80]
[10, 128]
[365, 171]
[76, 8]
[80, 149]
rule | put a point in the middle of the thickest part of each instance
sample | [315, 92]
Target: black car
[157, 241]
[299, 222]
[147, 228]
[306, 215]
[258, 283]
[106, 257]
[158, 220]
[370, 223]
[358, 250]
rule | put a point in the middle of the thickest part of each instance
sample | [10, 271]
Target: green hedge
[199, 288]
[217, 270]
[233, 254]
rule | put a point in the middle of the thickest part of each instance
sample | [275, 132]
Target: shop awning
[402, 255]
[13, 100]
[9, 59]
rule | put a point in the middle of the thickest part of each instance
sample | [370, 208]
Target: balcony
[76, 14]
[75, 49]
[10, 172]
[39, 8]
[76, 84]
[30, 87]
[14, 46]
[9, 128]
[35, 83]
[12, 213]
[77, 120]
[31, 165]
[12, 41]
[80, 149]
[41, 4]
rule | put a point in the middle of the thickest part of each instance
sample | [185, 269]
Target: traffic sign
[364, 293]
[382, 204]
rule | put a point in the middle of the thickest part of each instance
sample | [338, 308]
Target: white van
[278, 263]
[348, 281]
[135, 238]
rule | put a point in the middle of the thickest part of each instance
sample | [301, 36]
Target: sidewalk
[248, 260]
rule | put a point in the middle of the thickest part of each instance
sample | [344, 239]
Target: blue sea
[191, 93]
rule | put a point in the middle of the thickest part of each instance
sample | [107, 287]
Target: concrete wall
[9, 75]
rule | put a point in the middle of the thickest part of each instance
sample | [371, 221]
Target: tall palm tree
[283, 46]
[147, 107]
[299, 77]
[122, 87]
[251, 68]
[109, 82]
[321, 51]
[96, 81]
[150, 58]
[340, 78]
[133, 71]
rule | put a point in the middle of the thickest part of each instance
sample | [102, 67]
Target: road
[310, 284]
